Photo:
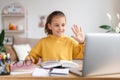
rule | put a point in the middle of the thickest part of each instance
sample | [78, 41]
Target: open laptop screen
[102, 54]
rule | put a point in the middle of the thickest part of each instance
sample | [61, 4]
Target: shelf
[14, 31]
[13, 15]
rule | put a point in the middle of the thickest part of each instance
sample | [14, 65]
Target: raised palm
[78, 34]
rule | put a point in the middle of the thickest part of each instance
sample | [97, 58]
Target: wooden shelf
[13, 15]
[14, 31]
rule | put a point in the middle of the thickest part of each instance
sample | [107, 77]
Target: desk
[69, 77]
[30, 77]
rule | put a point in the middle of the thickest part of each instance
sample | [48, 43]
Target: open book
[62, 63]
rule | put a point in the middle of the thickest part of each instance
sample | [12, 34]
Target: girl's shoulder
[43, 39]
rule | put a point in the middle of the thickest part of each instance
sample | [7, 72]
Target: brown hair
[49, 19]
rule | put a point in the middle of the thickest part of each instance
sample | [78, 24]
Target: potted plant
[108, 28]
[114, 29]
[5, 59]
[2, 35]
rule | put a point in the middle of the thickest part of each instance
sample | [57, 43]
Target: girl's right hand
[29, 58]
[78, 34]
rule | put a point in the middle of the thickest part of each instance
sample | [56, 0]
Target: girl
[57, 46]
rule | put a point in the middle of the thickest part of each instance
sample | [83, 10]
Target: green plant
[2, 35]
[115, 28]
[108, 28]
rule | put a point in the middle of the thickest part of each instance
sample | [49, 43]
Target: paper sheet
[40, 72]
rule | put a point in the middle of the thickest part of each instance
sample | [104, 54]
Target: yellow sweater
[54, 48]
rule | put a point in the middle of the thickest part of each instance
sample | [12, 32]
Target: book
[22, 68]
[50, 72]
[59, 71]
[76, 71]
[61, 63]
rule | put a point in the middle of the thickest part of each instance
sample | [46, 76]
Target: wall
[89, 14]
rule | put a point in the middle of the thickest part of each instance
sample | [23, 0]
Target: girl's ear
[49, 26]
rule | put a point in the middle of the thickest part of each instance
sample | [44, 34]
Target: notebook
[102, 54]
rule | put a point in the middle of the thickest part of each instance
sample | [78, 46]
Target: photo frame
[8, 40]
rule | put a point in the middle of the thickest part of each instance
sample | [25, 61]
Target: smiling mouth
[60, 32]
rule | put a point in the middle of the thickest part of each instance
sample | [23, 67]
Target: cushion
[22, 50]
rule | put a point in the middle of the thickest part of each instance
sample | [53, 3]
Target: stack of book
[50, 72]
[55, 68]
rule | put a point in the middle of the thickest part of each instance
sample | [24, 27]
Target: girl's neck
[56, 36]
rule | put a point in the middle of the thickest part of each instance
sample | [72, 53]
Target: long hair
[49, 19]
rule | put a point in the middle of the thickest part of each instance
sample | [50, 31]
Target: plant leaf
[2, 35]
[2, 49]
[107, 27]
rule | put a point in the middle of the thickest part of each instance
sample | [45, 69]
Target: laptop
[102, 54]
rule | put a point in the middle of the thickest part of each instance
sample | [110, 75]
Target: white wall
[89, 14]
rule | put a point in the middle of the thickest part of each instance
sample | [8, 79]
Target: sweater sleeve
[78, 50]
[35, 52]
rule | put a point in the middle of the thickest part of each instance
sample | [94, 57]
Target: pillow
[22, 50]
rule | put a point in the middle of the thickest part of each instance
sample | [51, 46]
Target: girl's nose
[60, 27]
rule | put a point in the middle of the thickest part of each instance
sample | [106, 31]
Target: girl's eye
[56, 25]
[63, 25]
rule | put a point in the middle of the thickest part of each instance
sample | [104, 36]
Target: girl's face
[57, 26]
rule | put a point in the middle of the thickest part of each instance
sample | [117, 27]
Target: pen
[4, 56]
[0, 57]
[8, 55]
